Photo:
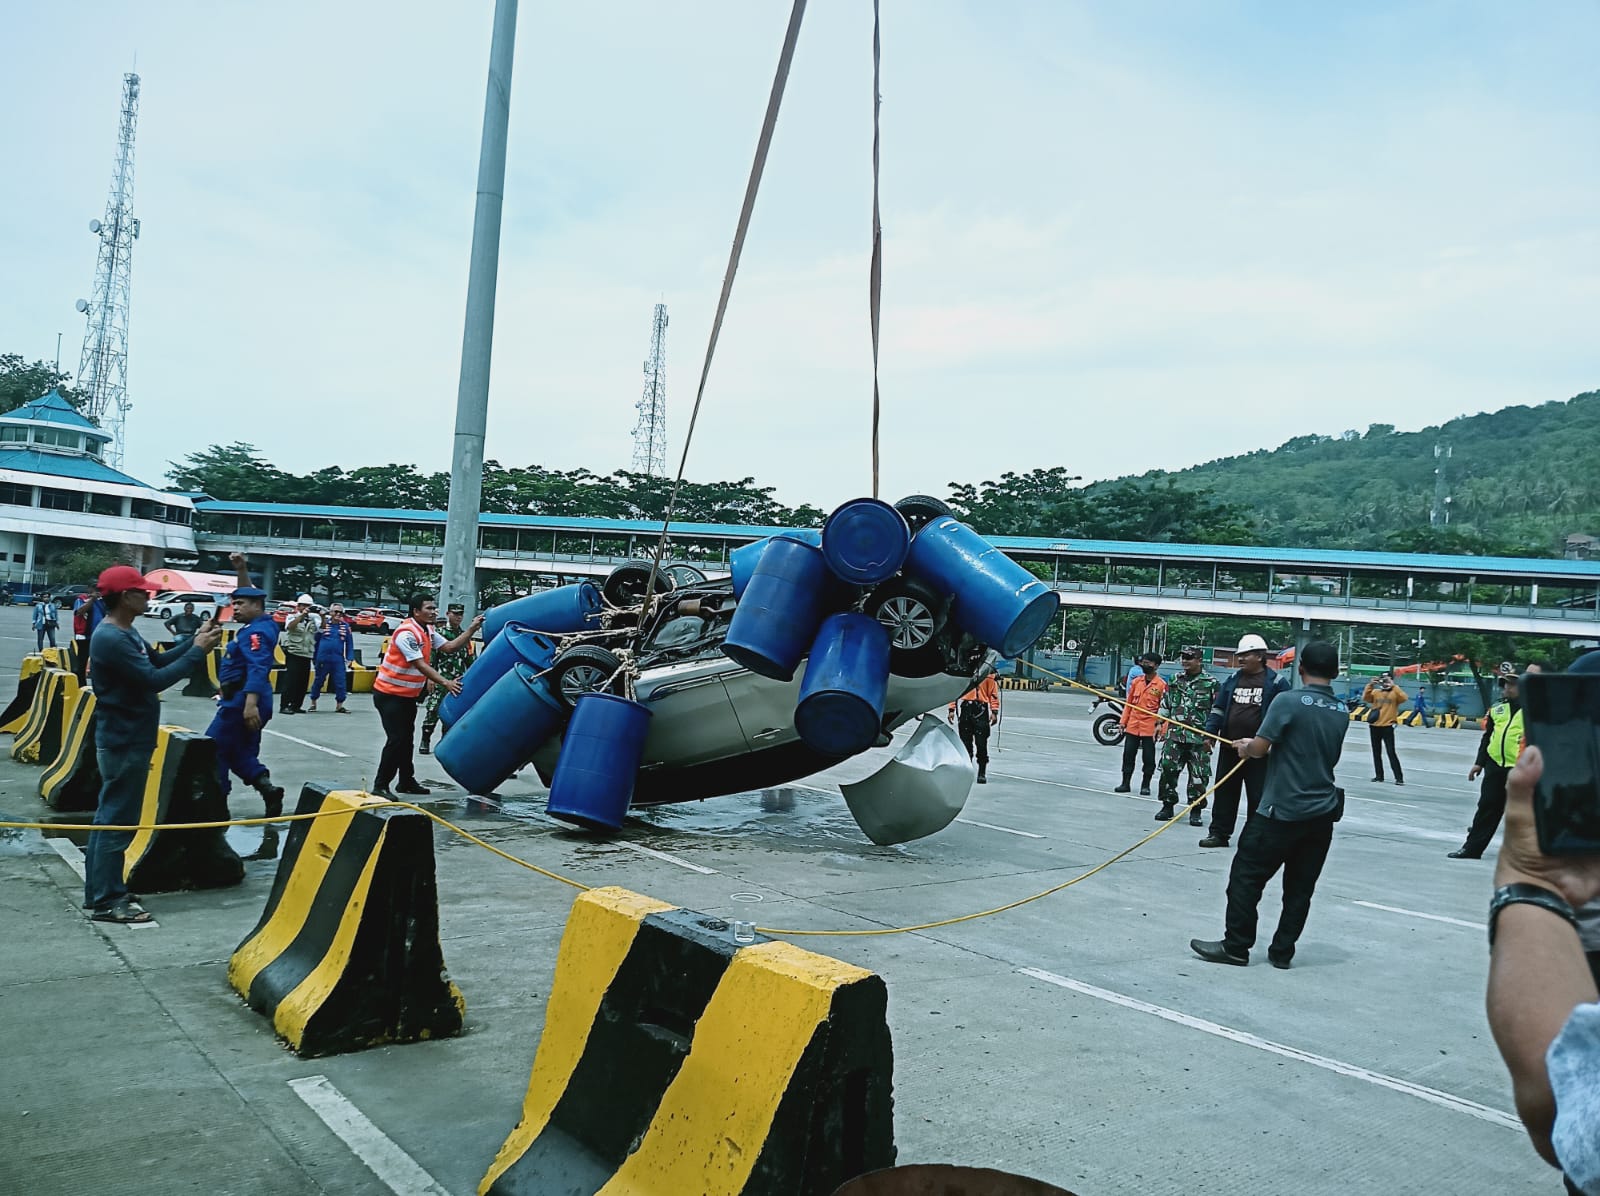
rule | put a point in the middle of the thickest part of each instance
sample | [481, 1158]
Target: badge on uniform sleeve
[255, 641]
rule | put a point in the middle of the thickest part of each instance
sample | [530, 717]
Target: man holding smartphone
[1541, 994]
[1385, 698]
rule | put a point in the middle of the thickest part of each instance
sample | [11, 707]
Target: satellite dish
[94, 226]
[82, 305]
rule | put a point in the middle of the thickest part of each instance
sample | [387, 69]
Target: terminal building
[57, 492]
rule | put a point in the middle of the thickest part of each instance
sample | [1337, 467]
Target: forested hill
[1519, 480]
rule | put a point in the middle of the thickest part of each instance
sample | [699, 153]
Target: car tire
[920, 509]
[684, 576]
[913, 613]
[625, 585]
[584, 669]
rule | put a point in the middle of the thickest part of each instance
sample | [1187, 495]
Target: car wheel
[684, 576]
[911, 611]
[625, 585]
[1108, 730]
[164, 613]
[585, 669]
[920, 509]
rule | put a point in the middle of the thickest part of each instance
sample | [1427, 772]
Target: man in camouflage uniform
[1188, 701]
[450, 666]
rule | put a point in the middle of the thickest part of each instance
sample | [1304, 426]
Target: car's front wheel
[585, 669]
[626, 584]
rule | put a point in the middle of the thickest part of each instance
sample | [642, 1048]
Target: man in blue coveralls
[245, 705]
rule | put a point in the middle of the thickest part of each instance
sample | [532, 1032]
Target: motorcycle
[1108, 730]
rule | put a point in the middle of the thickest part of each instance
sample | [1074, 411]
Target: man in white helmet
[1237, 713]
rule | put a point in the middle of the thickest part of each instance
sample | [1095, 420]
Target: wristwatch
[1525, 894]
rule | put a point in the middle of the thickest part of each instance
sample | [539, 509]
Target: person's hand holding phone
[1575, 877]
[209, 635]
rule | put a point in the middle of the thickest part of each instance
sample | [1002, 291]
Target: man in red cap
[129, 676]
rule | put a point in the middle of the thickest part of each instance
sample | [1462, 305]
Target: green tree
[22, 383]
[232, 473]
[82, 562]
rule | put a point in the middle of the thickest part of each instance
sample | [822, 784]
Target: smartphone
[1561, 717]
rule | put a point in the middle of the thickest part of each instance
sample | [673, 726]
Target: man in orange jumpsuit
[1139, 723]
[974, 712]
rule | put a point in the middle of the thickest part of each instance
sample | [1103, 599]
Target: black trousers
[296, 680]
[1252, 778]
[975, 735]
[1491, 808]
[399, 718]
[1132, 747]
[1383, 738]
[1299, 848]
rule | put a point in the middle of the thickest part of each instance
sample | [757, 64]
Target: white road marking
[69, 852]
[306, 743]
[671, 859]
[1412, 913]
[1433, 1096]
[393, 1166]
[989, 826]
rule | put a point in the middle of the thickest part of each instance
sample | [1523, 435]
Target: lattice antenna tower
[103, 369]
[650, 433]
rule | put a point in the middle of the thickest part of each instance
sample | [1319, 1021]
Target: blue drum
[865, 541]
[562, 610]
[742, 560]
[600, 755]
[996, 599]
[776, 620]
[501, 732]
[840, 711]
[515, 644]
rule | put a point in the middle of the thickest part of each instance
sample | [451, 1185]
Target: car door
[765, 707]
[691, 719]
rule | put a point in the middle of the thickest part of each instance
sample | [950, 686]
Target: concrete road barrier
[181, 786]
[674, 1060]
[16, 713]
[346, 954]
[53, 702]
[72, 780]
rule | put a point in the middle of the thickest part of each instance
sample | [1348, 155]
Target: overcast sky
[1117, 236]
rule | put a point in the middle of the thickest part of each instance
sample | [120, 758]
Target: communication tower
[1439, 516]
[650, 433]
[103, 369]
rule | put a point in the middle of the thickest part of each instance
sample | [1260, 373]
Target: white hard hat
[1251, 643]
[304, 600]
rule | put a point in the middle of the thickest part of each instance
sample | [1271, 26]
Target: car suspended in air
[817, 648]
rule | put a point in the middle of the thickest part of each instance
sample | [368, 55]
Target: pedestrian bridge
[1489, 594]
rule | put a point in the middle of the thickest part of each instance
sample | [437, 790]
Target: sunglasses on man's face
[1189, 656]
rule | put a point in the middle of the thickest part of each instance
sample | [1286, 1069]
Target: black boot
[983, 775]
[1167, 812]
[271, 794]
[425, 749]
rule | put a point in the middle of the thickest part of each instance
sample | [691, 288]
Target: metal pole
[472, 395]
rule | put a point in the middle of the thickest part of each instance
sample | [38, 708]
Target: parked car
[380, 620]
[170, 603]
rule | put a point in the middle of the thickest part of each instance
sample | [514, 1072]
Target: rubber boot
[425, 749]
[983, 774]
[271, 794]
[1167, 812]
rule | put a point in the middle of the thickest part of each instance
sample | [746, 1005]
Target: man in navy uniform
[245, 706]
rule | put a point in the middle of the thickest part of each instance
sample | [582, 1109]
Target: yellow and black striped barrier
[346, 954]
[1448, 721]
[204, 682]
[675, 1060]
[16, 714]
[359, 678]
[181, 786]
[1359, 712]
[1411, 719]
[53, 702]
[1029, 683]
[72, 780]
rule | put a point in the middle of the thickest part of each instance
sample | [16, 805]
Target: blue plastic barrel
[600, 755]
[996, 599]
[515, 644]
[565, 608]
[840, 710]
[742, 560]
[502, 730]
[783, 605]
[865, 541]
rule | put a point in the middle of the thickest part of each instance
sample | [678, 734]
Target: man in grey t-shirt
[1293, 827]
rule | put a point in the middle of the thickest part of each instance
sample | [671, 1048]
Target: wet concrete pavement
[1075, 1039]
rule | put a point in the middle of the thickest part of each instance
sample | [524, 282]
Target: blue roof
[51, 408]
[1310, 560]
[59, 465]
